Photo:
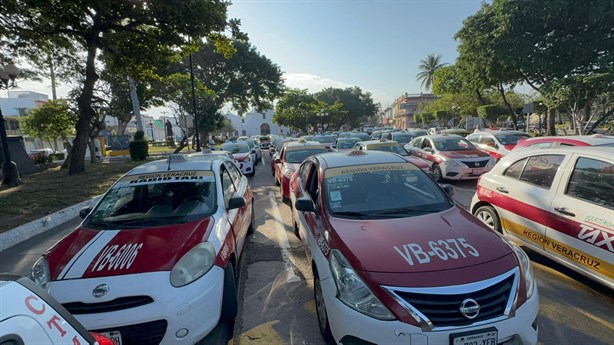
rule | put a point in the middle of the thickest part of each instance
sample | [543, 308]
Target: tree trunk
[550, 129]
[509, 107]
[77, 161]
[68, 148]
[601, 119]
[480, 97]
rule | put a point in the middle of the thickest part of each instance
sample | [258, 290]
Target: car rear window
[235, 148]
[592, 180]
[298, 156]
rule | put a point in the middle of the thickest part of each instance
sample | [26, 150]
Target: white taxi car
[557, 201]
[154, 261]
[243, 155]
[29, 315]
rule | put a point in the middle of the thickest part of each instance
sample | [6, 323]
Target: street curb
[26, 231]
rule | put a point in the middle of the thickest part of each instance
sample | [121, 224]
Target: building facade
[17, 105]
[254, 123]
[404, 108]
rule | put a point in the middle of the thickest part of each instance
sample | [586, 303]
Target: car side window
[540, 170]
[313, 185]
[474, 138]
[515, 169]
[426, 144]
[235, 174]
[416, 143]
[228, 187]
[303, 173]
[592, 180]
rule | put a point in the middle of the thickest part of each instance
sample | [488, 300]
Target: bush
[139, 149]
[58, 156]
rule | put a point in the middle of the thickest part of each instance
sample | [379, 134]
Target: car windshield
[235, 148]
[309, 137]
[264, 139]
[402, 138]
[511, 139]
[325, 139]
[361, 136]
[251, 143]
[298, 156]
[346, 143]
[452, 144]
[382, 190]
[394, 148]
[135, 204]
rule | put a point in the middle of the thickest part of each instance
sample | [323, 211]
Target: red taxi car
[571, 140]
[497, 143]
[154, 261]
[392, 252]
[394, 147]
[291, 155]
[451, 157]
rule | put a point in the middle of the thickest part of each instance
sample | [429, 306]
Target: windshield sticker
[335, 195]
[336, 204]
[453, 248]
[357, 169]
[170, 176]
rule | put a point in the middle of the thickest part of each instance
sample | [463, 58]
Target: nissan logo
[469, 308]
[100, 290]
[477, 164]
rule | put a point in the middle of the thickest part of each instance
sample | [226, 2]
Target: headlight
[353, 292]
[526, 269]
[288, 173]
[40, 273]
[491, 162]
[247, 159]
[451, 163]
[193, 265]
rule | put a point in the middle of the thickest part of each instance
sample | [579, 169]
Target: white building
[254, 123]
[17, 104]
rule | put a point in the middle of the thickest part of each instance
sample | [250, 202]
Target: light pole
[10, 174]
[153, 138]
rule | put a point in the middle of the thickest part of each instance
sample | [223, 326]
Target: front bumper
[246, 167]
[194, 308]
[350, 326]
[462, 172]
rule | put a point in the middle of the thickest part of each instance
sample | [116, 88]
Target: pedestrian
[212, 141]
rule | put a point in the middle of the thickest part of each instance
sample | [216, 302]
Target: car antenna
[169, 163]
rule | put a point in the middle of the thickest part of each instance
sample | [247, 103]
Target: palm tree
[427, 68]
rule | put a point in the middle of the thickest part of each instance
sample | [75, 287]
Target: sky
[376, 45]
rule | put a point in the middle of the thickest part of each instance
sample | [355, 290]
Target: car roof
[595, 139]
[378, 142]
[604, 152]
[179, 162]
[302, 144]
[441, 136]
[341, 159]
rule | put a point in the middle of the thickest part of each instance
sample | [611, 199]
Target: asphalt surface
[276, 283]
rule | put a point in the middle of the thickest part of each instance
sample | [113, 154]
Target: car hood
[411, 245]
[88, 253]
[509, 147]
[417, 162]
[240, 156]
[463, 154]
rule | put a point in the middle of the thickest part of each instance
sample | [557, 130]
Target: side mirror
[449, 189]
[236, 201]
[254, 151]
[304, 204]
[277, 160]
[334, 146]
[85, 211]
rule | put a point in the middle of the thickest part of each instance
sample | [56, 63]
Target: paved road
[277, 286]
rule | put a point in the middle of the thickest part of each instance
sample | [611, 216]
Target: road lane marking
[283, 237]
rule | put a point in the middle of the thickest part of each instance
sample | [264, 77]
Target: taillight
[101, 339]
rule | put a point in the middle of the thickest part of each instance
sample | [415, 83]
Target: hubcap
[486, 219]
[437, 173]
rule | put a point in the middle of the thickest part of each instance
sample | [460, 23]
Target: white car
[243, 156]
[29, 315]
[556, 201]
[154, 261]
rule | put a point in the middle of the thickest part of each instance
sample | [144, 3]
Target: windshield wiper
[404, 210]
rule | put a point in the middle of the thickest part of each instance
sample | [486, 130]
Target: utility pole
[136, 108]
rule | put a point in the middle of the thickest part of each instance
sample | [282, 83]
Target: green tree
[135, 35]
[490, 112]
[294, 109]
[427, 69]
[51, 120]
[358, 105]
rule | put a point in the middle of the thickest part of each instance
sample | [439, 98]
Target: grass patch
[53, 189]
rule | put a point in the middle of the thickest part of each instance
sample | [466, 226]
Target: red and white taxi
[571, 140]
[557, 201]
[451, 157]
[497, 143]
[243, 155]
[154, 262]
[291, 155]
[394, 147]
[392, 252]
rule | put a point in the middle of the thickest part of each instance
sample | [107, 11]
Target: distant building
[254, 123]
[405, 107]
[16, 105]
[385, 118]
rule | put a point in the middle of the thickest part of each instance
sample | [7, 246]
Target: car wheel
[321, 310]
[252, 224]
[230, 302]
[488, 216]
[437, 175]
[253, 173]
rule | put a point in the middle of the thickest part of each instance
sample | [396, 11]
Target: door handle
[564, 210]
[502, 190]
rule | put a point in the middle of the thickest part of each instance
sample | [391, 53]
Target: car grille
[77, 308]
[476, 164]
[443, 309]
[140, 334]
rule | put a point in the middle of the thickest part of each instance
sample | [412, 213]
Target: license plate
[481, 337]
[478, 171]
[115, 337]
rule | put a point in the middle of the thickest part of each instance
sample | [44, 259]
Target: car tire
[321, 313]
[252, 224]
[437, 174]
[253, 173]
[488, 216]
[230, 300]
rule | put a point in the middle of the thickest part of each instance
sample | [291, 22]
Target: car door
[581, 226]
[228, 190]
[243, 216]
[314, 221]
[523, 195]
[297, 190]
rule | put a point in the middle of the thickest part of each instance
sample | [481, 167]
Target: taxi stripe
[90, 251]
[77, 255]
[553, 221]
[595, 264]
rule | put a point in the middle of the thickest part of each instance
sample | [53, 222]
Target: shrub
[58, 156]
[139, 150]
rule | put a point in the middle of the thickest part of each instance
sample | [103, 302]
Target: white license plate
[115, 337]
[482, 337]
[478, 171]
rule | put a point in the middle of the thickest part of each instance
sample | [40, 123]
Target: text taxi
[155, 261]
[557, 201]
[396, 261]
